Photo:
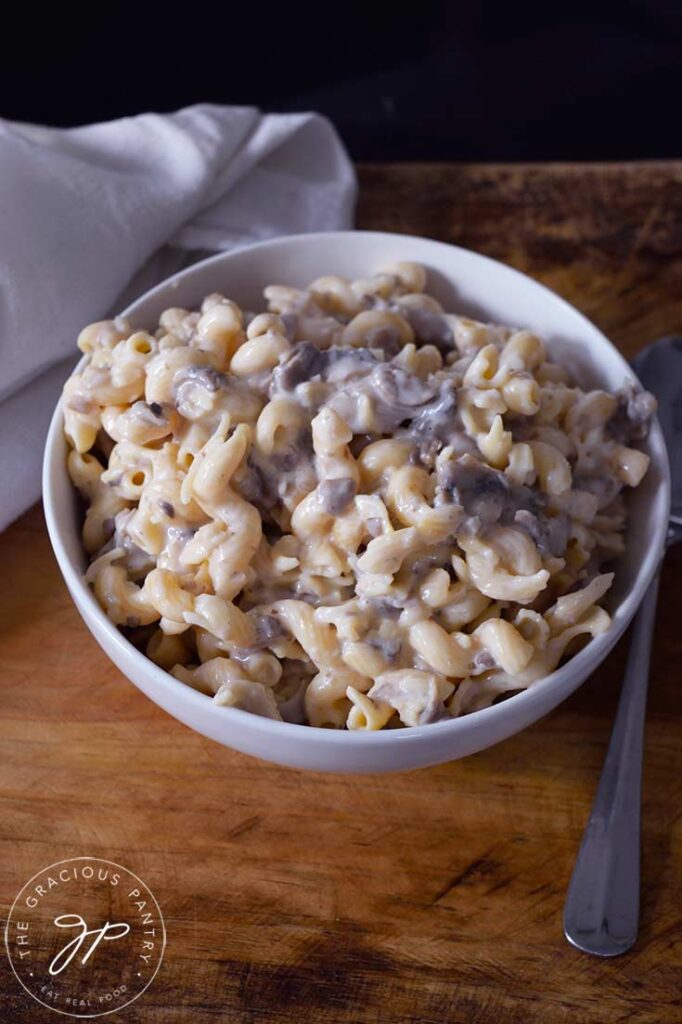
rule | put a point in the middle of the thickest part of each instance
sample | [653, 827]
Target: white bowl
[465, 282]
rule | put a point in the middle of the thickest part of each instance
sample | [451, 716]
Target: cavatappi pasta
[354, 510]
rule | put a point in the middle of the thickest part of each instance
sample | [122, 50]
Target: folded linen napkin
[90, 217]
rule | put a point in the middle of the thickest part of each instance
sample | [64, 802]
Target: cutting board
[432, 897]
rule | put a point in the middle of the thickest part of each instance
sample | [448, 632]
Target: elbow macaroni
[353, 510]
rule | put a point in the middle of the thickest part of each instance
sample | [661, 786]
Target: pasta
[352, 510]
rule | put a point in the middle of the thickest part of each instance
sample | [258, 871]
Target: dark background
[431, 81]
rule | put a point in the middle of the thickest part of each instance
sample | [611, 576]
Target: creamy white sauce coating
[355, 510]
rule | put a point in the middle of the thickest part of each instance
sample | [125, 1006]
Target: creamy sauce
[398, 581]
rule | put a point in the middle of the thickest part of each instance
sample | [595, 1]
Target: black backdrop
[409, 80]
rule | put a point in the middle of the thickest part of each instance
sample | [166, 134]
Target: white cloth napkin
[92, 216]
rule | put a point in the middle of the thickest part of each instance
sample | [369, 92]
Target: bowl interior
[464, 282]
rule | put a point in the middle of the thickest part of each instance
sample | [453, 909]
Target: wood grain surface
[432, 897]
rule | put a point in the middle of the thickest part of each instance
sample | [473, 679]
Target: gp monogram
[71, 949]
[85, 937]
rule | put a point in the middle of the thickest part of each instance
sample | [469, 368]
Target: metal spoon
[601, 915]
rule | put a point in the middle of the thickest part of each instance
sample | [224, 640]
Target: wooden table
[434, 896]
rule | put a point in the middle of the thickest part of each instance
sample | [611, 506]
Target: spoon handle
[601, 915]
